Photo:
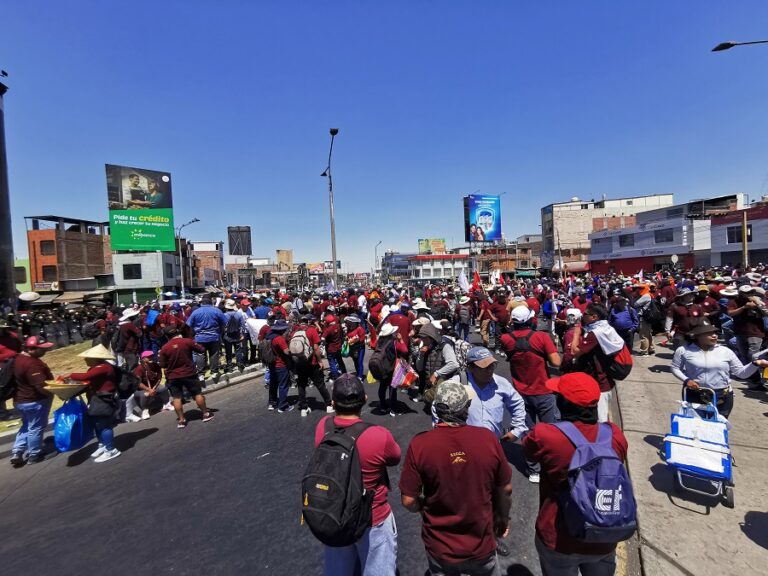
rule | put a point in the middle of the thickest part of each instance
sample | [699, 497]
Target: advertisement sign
[316, 268]
[482, 218]
[140, 209]
[328, 266]
[432, 246]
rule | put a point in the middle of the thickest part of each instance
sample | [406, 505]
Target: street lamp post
[728, 45]
[327, 173]
[7, 284]
[181, 257]
[376, 258]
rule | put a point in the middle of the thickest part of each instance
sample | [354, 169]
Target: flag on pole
[463, 282]
[476, 281]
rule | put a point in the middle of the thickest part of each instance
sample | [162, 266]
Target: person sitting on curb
[149, 374]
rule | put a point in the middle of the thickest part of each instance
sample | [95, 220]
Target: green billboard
[140, 209]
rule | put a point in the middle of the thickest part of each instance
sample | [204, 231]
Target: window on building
[416, 273]
[426, 273]
[19, 275]
[131, 271]
[50, 274]
[626, 240]
[523, 263]
[47, 248]
[585, 206]
[665, 236]
[735, 234]
[675, 212]
[630, 202]
[168, 270]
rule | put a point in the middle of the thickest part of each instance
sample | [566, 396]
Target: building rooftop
[66, 220]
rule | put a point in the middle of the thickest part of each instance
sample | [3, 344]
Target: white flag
[463, 282]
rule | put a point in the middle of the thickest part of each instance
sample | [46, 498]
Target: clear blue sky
[434, 100]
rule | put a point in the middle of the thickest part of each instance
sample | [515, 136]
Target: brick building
[210, 257]
[66, 249]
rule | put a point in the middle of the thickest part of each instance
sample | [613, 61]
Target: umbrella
[29, 296]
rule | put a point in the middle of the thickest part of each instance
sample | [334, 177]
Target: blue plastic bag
[72, 429]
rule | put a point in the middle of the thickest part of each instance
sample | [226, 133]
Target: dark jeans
[357, 353]
[384, 385]
[279, 382]
[541, 408]
[313, 373]
[161, 393]
[628, 336]
[234, 349]
[462, 331]
[336, 364]
[559, 564]
[156, 343]
[208, 358]
[483, 567]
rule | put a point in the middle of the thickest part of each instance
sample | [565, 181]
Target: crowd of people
[456, 476]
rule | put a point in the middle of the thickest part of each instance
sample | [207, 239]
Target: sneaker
[208, 416]
[181, 424]
[36, 458]
[393, 413]
[132, 418]
[502, 549]
[288, 408]
[145, 414]
[168, 407]
[99, 451]
[215, 377]
[534, 478]
[18, 460]
[108, 455]
[270, 408]
[329, 410]
[305, 411]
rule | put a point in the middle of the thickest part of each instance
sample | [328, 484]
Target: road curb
[251, 372]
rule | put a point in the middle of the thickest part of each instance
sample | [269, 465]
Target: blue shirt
[208, 322]
[488, 405]
[261, 312]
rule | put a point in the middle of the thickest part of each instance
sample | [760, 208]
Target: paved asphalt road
[221, 497]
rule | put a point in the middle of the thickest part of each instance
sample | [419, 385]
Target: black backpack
[652, 313]
[266, 353]
[89, 330]
[7, 379]
[118, 341]
[232, 330]
[125, 380]
[381, 364]
[464, 315]
[336, 505]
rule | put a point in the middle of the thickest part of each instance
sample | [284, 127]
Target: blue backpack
[599, 505]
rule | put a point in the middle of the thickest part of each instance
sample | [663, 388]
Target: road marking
[262, 456]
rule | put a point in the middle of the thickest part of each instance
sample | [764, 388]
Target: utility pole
[745, 240]
[7, 283]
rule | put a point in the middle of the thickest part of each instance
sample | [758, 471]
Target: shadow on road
[755, 527]
[662, 480]
[659, 368]
[123, 442]
[518, 570]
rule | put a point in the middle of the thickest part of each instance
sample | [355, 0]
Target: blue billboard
[482, 218]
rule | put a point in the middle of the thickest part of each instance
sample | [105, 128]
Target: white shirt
[711, 369]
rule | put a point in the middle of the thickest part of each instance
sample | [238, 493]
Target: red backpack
[619, 365]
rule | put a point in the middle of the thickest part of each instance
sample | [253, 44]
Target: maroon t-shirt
[501, 313]
[403, 325]
[376, 449]
[549, 446]
[458, 469]
[333, 338]
[31, 374]
[529, 369]
[176, 357]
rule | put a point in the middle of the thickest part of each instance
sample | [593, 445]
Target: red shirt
[500, 312]
[458, 469]
[101, 378]
[403, 325]
[590, 346]
[176, 357]
[131, 335]
[333, 338]
[533, 304]
[549, 446]
[31, 374]
[10, 345]
[264, 331]
[376, 449]
[748, 324]
[531, 366]
[359, 333]
[148, 374]
[279, 347]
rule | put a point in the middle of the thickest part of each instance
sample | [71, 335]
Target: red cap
[245, 302]
[37, 342]
[576, 387]
[330, 318]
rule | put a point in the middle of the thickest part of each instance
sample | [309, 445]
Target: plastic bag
[72, 429]
[404, 376]
[370, 379]
[345, 349]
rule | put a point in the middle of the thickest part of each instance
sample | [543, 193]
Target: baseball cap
[37, 342]
[147, 354]
[521, 314]
[348, 389]
[245, 302]
[451, 397]
[480, 357]
[576, 387]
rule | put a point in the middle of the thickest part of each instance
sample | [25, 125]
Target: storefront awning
[526, 273]
[45, 300]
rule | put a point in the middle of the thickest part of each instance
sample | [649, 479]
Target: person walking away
[208, 323]
[500, 316]
[126, 342]
[356, 343]
[149, 375]
[390, 345]
[648, 312]
[704, 364]
[103, 403]
[233, 336]
[249, 346]
[624, 320]
[333, 336]
[375, 554]
[529, 352]
[31, 400]
[560, 553]
[176, 358]
[279, 378]
[307, 361]
[463, 315]
[484, 318]
[594, 340]
[748, 327]
[457, 477]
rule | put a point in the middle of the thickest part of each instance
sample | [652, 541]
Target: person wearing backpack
[375, 552]
[307, 362]
[565, 547]
[208, 323]
[390, 345]
[624, 320]
[463, 315]
[10, 346]
[650, 313]
[233, 336]
[126, 342]
[529, 352]
[436, 360]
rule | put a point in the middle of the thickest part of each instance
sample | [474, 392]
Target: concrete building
[395, 267]
[438, 267]
[210, 256]
[726, 233]
[66, 248]
[142, 276]
[21, 274]
[528, 253]
[566, 226]
[682, 230]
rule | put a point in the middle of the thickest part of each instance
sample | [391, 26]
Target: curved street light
[728, 45]
[327, 173]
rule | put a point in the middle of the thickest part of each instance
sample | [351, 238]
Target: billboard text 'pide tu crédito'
[140, 209]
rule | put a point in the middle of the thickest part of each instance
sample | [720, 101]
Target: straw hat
[387, 330]
[128, 314]
[99, 352]
[230, 305]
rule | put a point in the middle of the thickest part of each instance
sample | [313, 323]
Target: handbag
[72, 428]
[103, 405]
[403, 376]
